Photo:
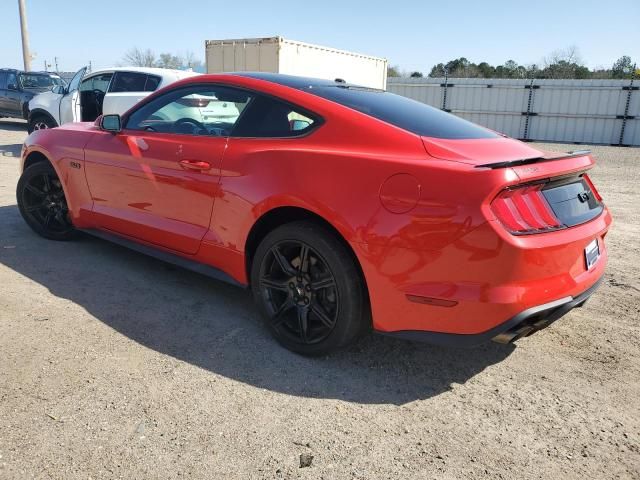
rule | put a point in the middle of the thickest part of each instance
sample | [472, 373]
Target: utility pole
[26, 53]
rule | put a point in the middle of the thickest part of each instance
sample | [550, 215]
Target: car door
[269, 134]
[92, 90]
[70, 109]
[157, 179]
[13, 96]
[3, 90]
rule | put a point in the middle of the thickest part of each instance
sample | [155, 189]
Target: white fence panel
[573, 111]
[429, 93]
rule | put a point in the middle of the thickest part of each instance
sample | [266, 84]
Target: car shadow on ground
[11, 150]
[214, 325]
[13, 125]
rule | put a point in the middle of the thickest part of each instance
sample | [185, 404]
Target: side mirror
[110, 123]
[59, 89]
[12, 86]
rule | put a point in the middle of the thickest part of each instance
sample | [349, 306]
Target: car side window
[128, 82]
[101, 82]
[86, 85]
[12, 79]
[3, 80]
[97, 82]
[75, 81]
[269, 117]
[205, 110]
[152, 83]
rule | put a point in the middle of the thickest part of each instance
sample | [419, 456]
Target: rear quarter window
[152, 83]
[268, 117]
[129, 82]
[403, 112]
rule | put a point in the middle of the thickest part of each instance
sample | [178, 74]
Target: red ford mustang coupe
[343, 208]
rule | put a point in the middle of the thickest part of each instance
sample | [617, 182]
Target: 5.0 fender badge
[75, 165]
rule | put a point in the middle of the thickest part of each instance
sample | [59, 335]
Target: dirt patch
[115, 365]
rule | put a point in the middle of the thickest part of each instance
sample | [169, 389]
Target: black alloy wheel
[300, 292]
[42, 202]
[308, 289]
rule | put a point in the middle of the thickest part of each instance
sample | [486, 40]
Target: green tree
[622, 68]
[458, 67]
[437, 71]
[393, 71]
[486, 70]
[565, 64]
[416, 74]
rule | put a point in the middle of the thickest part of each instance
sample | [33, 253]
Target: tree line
[137, 57]
[561, 64]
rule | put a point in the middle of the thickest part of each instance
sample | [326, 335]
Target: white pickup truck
[88, 95]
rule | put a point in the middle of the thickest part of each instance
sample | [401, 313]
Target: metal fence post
[529, 113]
[444, 96]
[625, 116]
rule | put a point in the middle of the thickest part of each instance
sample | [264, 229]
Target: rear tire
[40, 122]
[309, 289]
[42, 202]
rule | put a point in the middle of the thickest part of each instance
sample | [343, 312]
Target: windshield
[39, 81]
[402, 112]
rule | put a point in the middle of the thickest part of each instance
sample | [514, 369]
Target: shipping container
[279, 55]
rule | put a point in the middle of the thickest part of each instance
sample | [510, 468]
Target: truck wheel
[41, 122]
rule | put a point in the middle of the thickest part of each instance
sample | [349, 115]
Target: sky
[413, 34]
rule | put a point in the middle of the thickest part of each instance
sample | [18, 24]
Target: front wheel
[40, 122]
[42, 202]
[309, 289]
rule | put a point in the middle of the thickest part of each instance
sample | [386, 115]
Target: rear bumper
[521, 325]
[482, 281]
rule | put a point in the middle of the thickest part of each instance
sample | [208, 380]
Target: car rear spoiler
[526, 161]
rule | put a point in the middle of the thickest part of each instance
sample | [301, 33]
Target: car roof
[150, 70]
[30, 72]
[34, 72]
[295, 81]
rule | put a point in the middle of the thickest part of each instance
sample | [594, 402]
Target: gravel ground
[115, 365]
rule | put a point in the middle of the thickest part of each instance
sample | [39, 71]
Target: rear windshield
[402, 112]
[39, 81]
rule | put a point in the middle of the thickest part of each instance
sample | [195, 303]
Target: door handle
[195, 165]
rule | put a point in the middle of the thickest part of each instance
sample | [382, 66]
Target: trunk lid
[572, 200]
[480, 151]
[559, 178]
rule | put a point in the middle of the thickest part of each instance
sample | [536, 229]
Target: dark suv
[18, 87]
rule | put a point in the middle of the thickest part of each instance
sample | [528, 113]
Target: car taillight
[524, 210]
[592, 187]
